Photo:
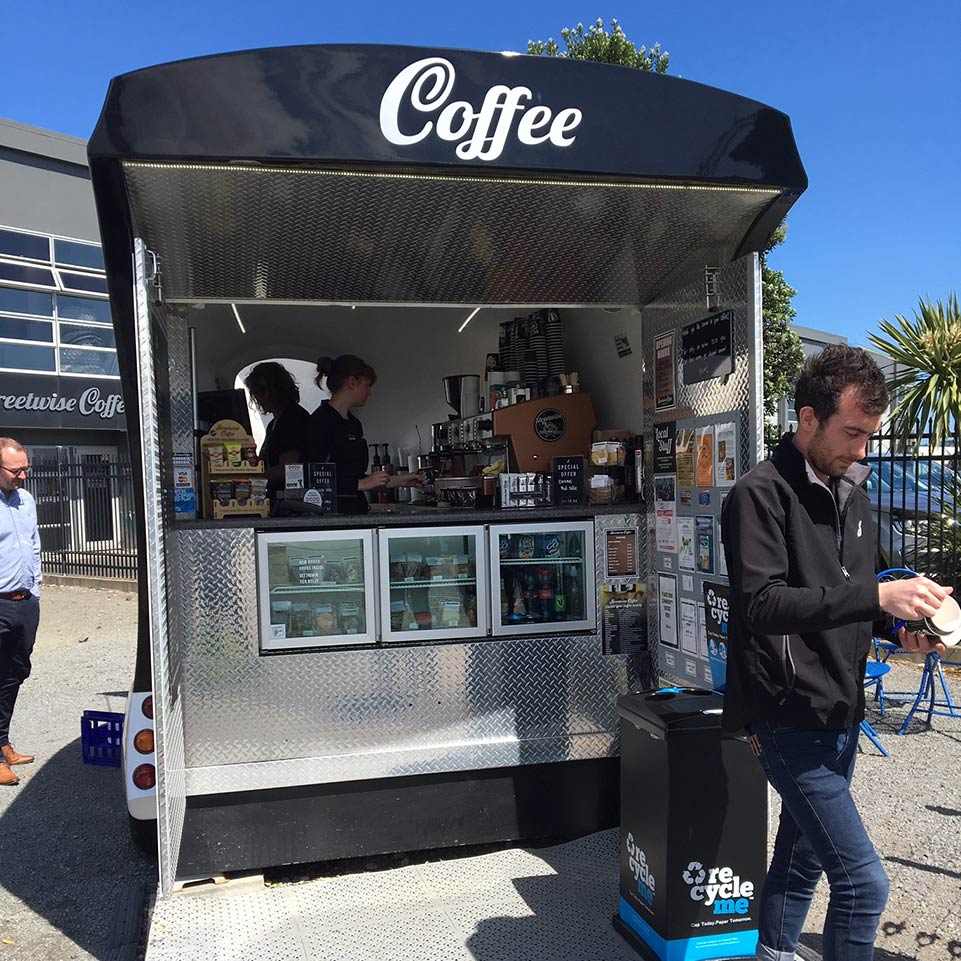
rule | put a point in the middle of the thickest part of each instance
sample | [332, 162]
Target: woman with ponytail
[336, 435]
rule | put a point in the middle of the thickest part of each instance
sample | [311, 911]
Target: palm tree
[926, 351]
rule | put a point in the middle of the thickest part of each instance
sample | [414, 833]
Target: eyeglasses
[16, 471]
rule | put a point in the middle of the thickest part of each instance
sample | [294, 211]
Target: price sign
[568, 475]
[622, 553]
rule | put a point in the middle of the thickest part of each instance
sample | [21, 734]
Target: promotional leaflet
[665, 507]
[667, 608]
[685, 457]
[705, 456]
[665, 388]
[685, 543]
[726, 461]
[688, 626]
[704, 525]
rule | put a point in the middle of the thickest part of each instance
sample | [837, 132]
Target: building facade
[59, 386]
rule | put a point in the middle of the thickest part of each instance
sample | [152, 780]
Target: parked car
[909, 494]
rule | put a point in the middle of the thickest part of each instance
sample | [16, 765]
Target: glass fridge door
[542, 579]
[433, 583]
[316, 589]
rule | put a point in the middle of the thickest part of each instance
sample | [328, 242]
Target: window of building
[20, 328]
[34, 302]
[73, 302]
[83, 308]
[15, 243]
[98, 362]
[72, 253]
[86, 335]
[25, 357]
[27, 274]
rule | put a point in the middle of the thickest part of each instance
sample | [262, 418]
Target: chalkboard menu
[321, 486]
[568, 475]
[706, 348]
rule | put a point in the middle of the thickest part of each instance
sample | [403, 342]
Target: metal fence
[915, 489]
[86, 517]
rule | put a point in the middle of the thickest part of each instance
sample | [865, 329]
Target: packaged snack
[232, 453]
[280, 614]
[223, 492]
[258, 490]
[215, 456]
[463, 566]
[452, 613]
[325, 618]
[353, 570]
[423, 621]
[300, 623]
[248, 454]
[525, 546]
[397, 615]
[414, 567]
[398, 570]
[335, 573]
[552, 545]
[242, 492]
[351, 620]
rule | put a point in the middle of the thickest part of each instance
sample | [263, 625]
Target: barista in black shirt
[274, 391]
[336, 435]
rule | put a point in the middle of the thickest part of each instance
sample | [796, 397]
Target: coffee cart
[313, 190]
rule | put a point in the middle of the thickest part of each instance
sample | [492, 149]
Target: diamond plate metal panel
[254, 721]
[738, 394]
[639, 668]
[168, 719]
[512, 905]
[355, 237]
[181, 380]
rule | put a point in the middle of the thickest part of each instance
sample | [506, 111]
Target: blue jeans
[820, 830]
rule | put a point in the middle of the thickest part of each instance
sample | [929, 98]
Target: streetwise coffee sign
[481, 131]
[32, 400]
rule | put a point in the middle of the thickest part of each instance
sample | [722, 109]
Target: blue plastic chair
[874, 672]
[932, 675]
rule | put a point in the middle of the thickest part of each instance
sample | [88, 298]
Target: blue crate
[101, 738]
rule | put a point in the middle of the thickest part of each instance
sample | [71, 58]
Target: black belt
[15, 596]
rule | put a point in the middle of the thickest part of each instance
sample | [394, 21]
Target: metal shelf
[506, 561]
[445, 582]
[319, 589]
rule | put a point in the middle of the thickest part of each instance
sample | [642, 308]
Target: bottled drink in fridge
[545, 593]
[575, 592]
[560, 594]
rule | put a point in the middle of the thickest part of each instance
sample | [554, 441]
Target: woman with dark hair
[274, 391]
[336, 435]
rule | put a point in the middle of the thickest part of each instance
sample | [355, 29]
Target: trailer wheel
[144, 836]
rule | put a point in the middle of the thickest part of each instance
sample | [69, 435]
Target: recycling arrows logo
[694, 873]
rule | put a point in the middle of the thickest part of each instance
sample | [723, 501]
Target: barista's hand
[919, 643]
[375, 481]
[406, 480]
[913, 598]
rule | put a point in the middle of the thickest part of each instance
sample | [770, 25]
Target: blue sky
[873, 91]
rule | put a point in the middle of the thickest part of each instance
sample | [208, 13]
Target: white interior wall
[412, 349]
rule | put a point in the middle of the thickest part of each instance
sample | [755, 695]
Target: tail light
[145, 776]
[143, 741]
[147, 707]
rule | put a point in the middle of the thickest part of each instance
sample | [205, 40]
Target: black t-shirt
[286, 432]
[340, 440]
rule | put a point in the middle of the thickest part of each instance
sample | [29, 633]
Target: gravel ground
[65, 853]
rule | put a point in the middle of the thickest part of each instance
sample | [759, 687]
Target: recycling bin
[693, 845]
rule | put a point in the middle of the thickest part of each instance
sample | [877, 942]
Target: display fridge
[433, 583]
[542, 578]
[316, 589]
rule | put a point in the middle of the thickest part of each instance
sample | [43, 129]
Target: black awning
[404, 175]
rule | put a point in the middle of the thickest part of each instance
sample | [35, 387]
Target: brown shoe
[6, 775]
[12, 756]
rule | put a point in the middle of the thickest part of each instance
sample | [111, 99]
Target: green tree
[783, 355]
[598, 44]
[926, 378]
[782, 346]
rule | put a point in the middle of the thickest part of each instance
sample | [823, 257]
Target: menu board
[707, 348]
[621, 552]
[568, 475]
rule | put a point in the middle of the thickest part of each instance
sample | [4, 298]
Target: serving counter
[493, 681]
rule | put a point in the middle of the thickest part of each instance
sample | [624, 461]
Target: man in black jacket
[800, 544]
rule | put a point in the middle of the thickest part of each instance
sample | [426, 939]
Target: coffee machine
[463, 394]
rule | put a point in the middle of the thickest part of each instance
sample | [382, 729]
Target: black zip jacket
[804, 595]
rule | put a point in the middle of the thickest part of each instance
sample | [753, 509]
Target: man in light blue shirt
[20, 579]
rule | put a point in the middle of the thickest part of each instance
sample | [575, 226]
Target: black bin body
[693, 849]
